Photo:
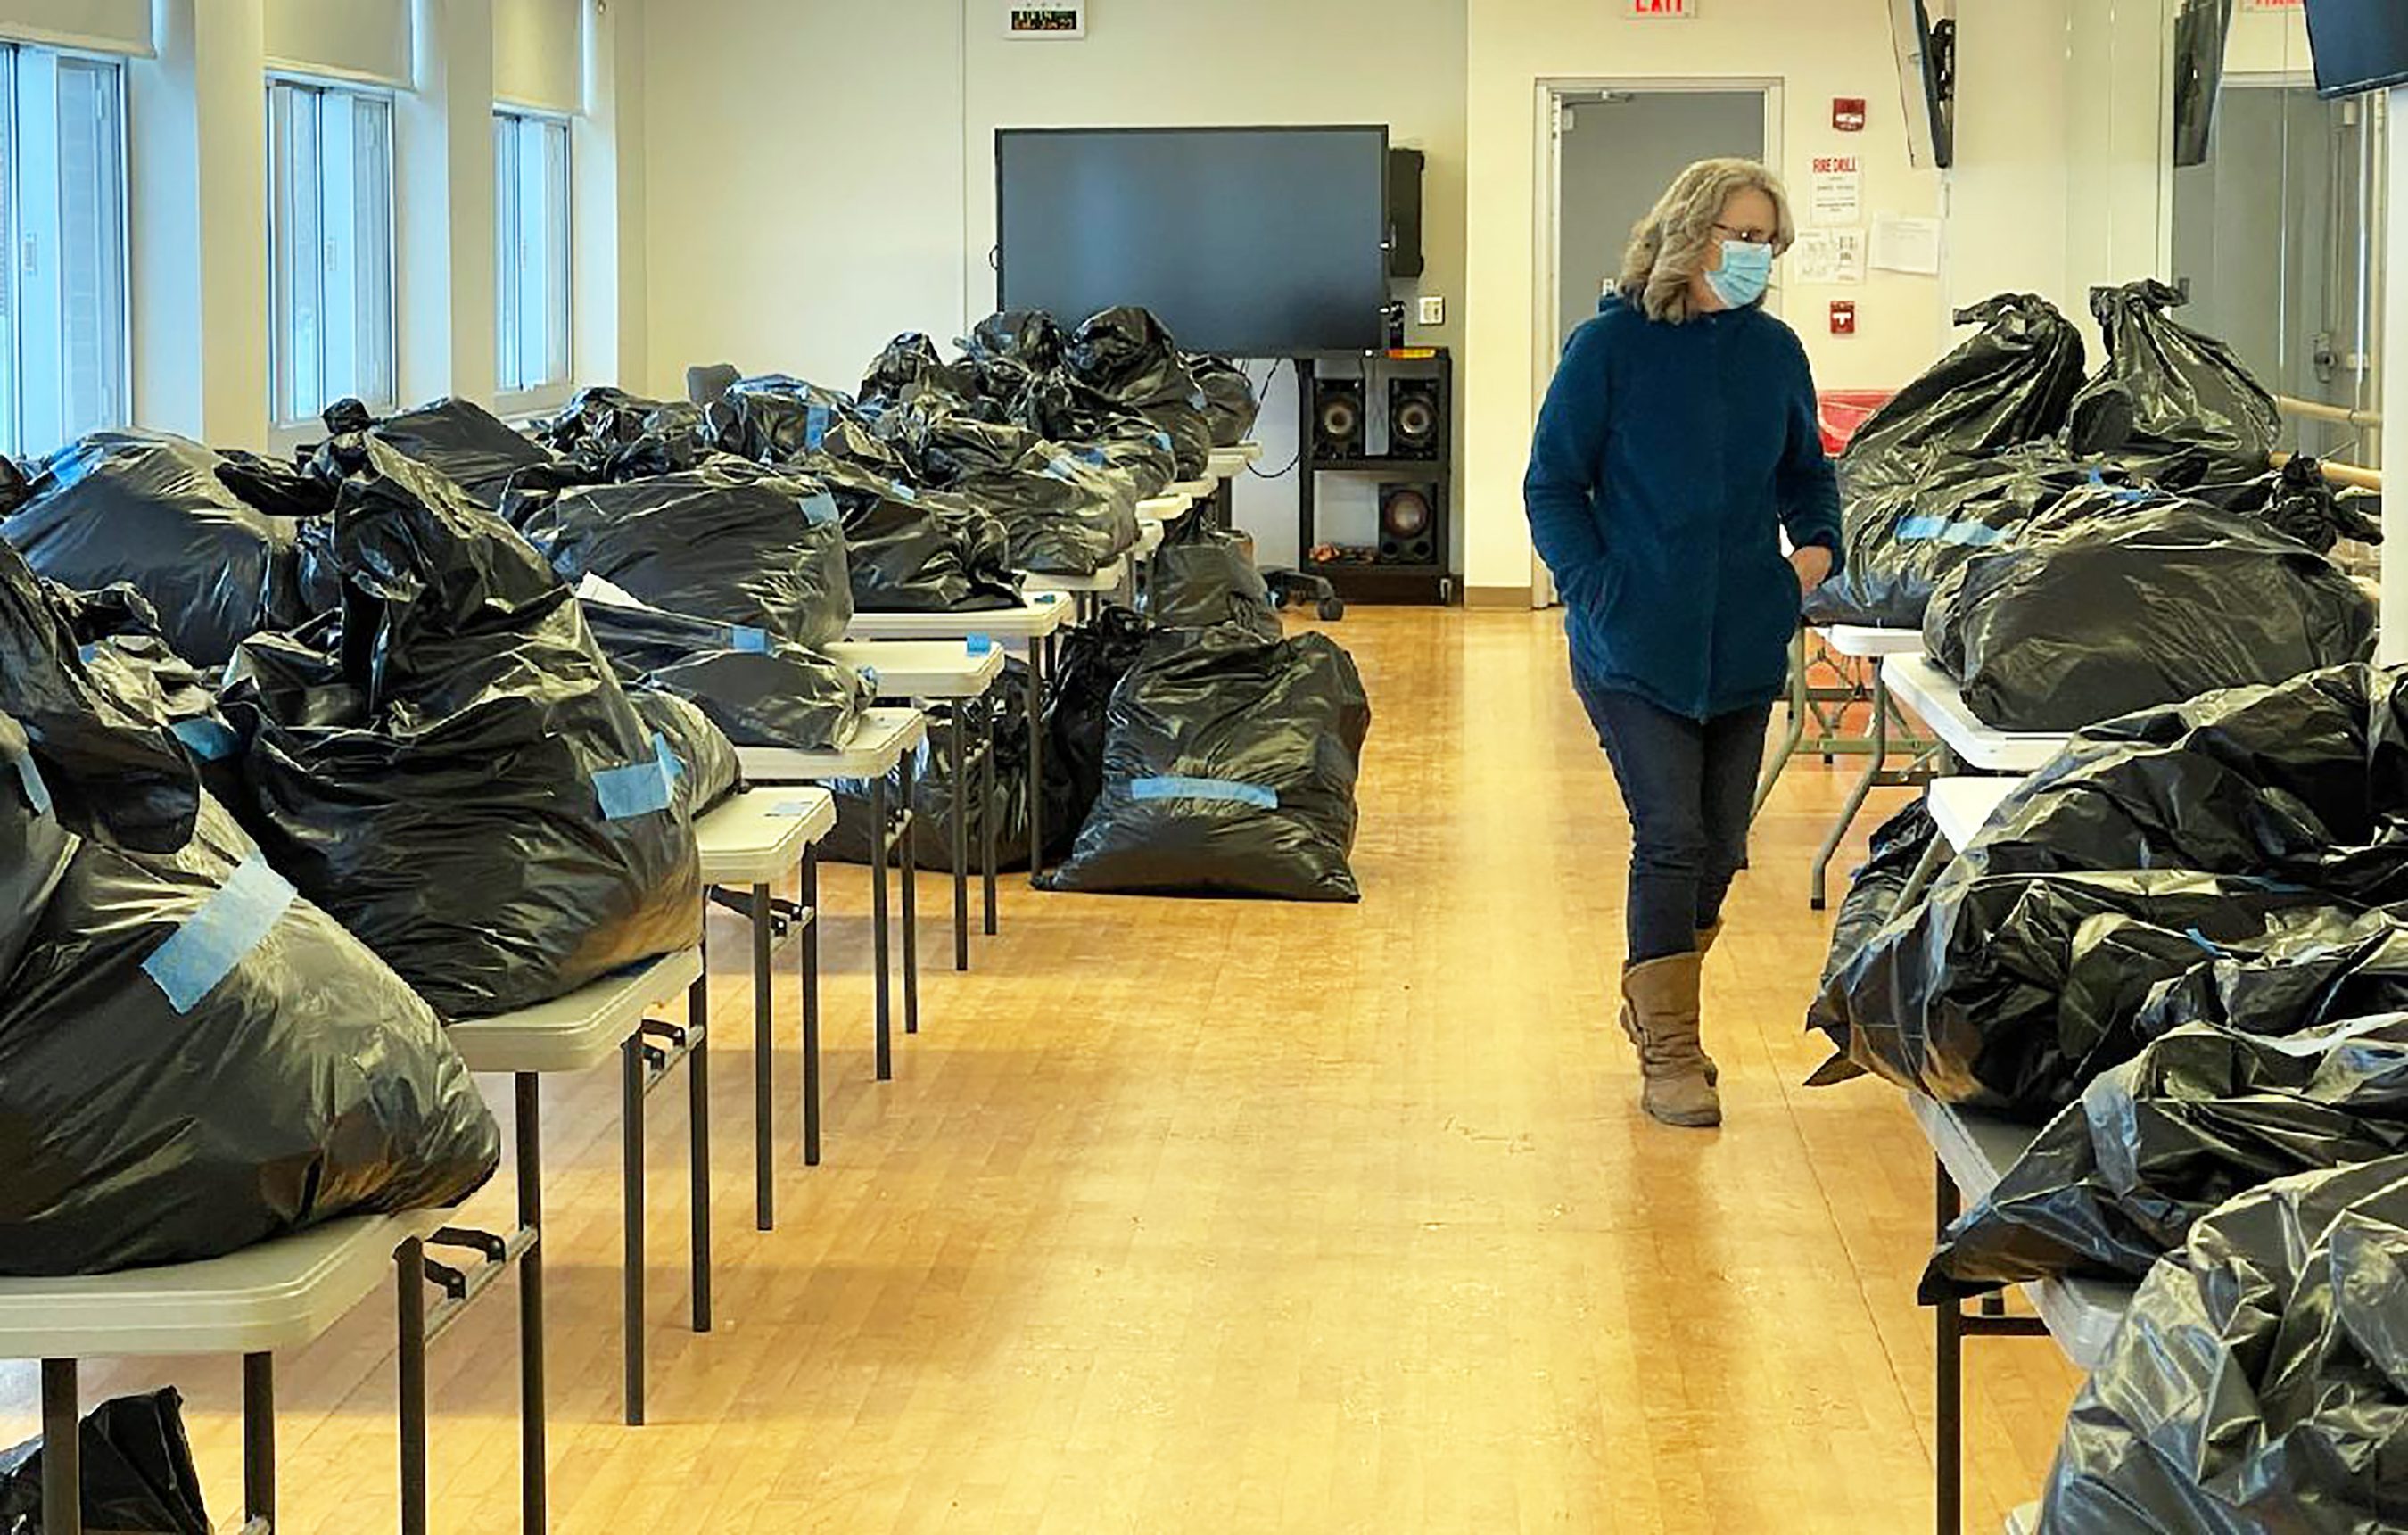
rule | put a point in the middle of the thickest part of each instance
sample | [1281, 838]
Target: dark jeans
[1689, 786]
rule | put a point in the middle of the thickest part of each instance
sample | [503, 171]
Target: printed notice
[1906, 245]
[1828, 256]
[1839, 190]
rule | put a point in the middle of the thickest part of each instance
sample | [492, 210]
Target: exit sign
[1659, 10]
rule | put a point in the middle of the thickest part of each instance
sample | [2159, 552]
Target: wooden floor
[1236, 1217]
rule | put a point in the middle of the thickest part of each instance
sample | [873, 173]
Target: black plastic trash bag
[2172, 408]
[2014, 382]
[607, 429]
[1202, 578]
[918, 551]
[195, 1059]
[1089, 663]
[1937, 511]
[1009, 352]
[136, 1472]
[1062, 516]
[775, 419]
[158, 512]
[464, 783]
[2116, 1181]
[729, 540]
[1229, 769]
[2118, 600]
[462, 441]
[909, 370]
[1229, 404]
[1125, 357]
[1897, 847]
[703, 759]
[2297, 500]
[2260, 1381]
[758, 689]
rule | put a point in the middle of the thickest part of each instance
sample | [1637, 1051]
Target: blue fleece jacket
[1666, 461]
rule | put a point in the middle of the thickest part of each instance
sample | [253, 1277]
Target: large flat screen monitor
[2359, 45]
[1247, 243]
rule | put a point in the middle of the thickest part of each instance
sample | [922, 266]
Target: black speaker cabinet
[1416, 419]
[1407, 524]
[1337, 418]
[1405, 212]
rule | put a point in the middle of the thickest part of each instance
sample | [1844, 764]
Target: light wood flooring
[1243, 1217]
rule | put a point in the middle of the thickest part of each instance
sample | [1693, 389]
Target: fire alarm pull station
[1848, 114]
[1843, 317]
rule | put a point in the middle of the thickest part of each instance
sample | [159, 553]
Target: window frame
[512, 400]
[286, 427]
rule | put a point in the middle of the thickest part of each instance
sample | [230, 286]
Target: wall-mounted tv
[1248, 242]
[2359, 45]
[1923, 35]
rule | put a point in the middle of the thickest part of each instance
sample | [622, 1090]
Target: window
[63, 354]
[531, 251]
[330, 249]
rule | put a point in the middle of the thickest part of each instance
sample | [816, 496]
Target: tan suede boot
[1660, 1014]
[1706, 937]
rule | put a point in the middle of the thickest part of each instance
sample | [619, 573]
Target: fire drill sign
[1837, 192]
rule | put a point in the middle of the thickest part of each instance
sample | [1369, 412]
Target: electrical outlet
[1433, 311]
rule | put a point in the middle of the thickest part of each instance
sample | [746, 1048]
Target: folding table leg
[811, 969]
[697, 1086]
[1037, 763]
[962, 801]
[1947, 1448]
[764, 1052]
[631, 1169]
[61, 1450]
[878, 927]
[409, 1296]
[986, 796]
[259, 1439]
[1796, 730]
[909, 840]
[534, 1462]
[1875, 770]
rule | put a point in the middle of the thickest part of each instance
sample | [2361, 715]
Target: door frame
[1547, 235]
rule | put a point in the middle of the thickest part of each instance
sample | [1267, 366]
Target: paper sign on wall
[1906, 245]
[1064, 20]
[1839, 190]
[1828, 256]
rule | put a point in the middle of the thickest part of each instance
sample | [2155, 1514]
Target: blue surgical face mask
[1746, 272]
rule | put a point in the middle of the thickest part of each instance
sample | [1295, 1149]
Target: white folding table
[280, 1294]
[1228, 462]
[1030, 627]
[1961, 807]
[1859, 642]
[881, 743]
[748, 845]
[1933, 698]
[577, 1033]
[957, 673]
[1087, 592]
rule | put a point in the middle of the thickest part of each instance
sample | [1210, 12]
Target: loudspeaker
[1407, 525]
[1416, 419]
[1405, 212]
[1337, 418]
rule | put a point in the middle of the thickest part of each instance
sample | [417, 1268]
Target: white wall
[1832, 48]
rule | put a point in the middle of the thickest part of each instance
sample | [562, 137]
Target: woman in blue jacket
[1677, 443]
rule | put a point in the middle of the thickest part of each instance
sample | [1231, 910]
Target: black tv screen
[1247, 243]
[2359, 45]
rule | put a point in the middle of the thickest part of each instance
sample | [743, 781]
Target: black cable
[1262, 393]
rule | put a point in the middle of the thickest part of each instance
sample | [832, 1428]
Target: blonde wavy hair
[1670, 246]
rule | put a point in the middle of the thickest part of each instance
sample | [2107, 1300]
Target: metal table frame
[1856, 642]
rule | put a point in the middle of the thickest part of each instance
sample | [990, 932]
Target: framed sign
[1045, 24]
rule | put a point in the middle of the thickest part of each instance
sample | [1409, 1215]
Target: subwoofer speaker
[1416, 419]
[1407, 525]
[1337, 418]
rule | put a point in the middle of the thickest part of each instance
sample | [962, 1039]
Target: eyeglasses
[1751, 236]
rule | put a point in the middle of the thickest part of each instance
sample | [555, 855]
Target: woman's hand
[1812, 565]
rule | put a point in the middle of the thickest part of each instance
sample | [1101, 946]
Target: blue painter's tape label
[755, 640]
[869, 675]
[1261, 796]
[2208, 944]
[29, 776]
[1047, 598]
[906, 494]
[644, 788]
[820, 510]
[980, 644]
[1096, 456]
[220, 935]
[86, 653]
[815, 427]
[1162, 440]
[790, 809]
[209, 740]
[1917, 530]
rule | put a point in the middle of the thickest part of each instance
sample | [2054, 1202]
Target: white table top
[877, 745]
[582, 1030]
[279, 1294]
[1227, 463]
[1150, 534]
[1933, 697]
[1977, 1150]
[1190, 490]
[2025, 1520]
[1043, 613]
[924, 669]
[1112, 577]
[1861, 640]
[758, 836]
[1961, 807]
